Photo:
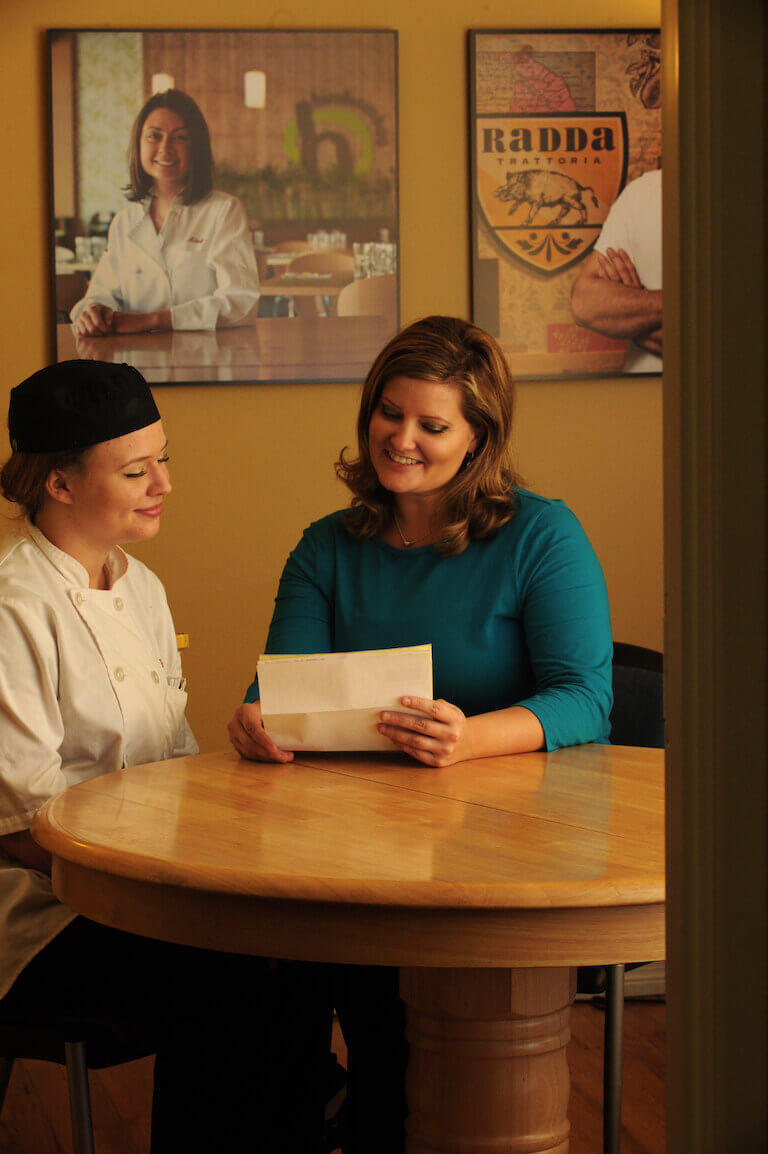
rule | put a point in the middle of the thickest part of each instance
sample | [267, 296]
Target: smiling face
[116, 495]
[164, 149]
[418, 436]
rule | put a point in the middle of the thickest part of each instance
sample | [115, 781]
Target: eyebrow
[146, 457]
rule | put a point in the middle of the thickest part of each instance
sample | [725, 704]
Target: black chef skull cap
[74, 404]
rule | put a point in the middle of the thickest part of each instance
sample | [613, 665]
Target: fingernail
[406, 700]
[385, 717]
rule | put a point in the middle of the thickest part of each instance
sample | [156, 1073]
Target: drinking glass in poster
[566, 199]
[225, 202]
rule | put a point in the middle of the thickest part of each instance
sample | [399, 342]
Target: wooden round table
[486, 882]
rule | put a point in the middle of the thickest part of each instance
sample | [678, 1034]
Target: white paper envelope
[332, 701]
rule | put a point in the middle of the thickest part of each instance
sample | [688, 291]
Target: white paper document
[332, 701]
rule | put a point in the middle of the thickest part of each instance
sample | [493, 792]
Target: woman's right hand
[94, 321]
[250, 738]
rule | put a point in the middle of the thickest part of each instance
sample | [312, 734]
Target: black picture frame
[309, 151]
[562, 121]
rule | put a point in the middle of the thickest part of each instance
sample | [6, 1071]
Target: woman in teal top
[517, 618]
[442, 545]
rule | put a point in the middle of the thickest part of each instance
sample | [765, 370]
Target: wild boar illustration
[545, 190]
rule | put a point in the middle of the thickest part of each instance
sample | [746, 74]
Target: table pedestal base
[488, 1072]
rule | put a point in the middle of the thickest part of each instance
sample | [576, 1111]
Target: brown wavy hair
[200, 177]
[23, 476]
[480, 498]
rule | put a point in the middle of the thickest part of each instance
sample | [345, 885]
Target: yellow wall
[253, 465]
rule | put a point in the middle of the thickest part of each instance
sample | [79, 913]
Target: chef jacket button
[119, 674]
[79, 598]
[155, 677]
[118, 603]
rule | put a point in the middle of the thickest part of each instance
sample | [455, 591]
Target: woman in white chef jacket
[180, 255]
[91, 682]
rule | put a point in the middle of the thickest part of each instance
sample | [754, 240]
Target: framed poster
[566, 199]
[224, 203]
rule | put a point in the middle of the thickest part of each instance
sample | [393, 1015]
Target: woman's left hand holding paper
[435, 734]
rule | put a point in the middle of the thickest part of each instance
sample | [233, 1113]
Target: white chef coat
[90, 681]
[200, 264]
[634, 224]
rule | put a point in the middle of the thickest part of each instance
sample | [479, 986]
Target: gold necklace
[406, 543]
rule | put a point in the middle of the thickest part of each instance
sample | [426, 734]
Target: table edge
[365, 934]
[328, 891]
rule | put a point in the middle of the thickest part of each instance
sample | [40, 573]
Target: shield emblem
[544, 183]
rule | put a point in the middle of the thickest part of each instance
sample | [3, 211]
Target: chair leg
[6, 1067]
[613, 1059]
[79, 1098]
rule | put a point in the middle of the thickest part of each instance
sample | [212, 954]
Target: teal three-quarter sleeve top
[518, 619]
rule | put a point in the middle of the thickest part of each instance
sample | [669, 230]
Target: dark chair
[637, 718]
[66, 1044]
[71, 287]
[94, 1048]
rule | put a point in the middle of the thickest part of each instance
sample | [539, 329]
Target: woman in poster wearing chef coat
[91, 682]
[179, 256]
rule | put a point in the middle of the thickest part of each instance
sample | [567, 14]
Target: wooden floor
[35, 1118]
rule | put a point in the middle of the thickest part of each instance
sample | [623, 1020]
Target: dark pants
[241, 1042]
[372, 1019]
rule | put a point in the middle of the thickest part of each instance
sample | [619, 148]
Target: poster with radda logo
[562, 122]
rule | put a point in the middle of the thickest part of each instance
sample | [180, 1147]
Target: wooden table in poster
[270, 349]
[307, 285]
[486, 882]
